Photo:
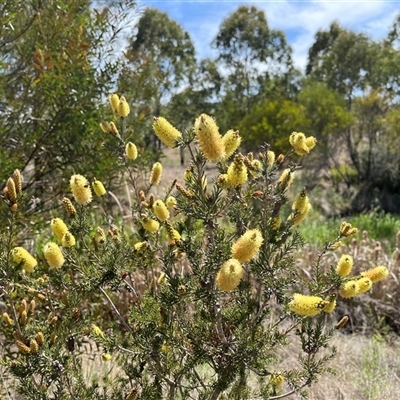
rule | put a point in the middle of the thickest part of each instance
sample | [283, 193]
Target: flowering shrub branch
[194, 298]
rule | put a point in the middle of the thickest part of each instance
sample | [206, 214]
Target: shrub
[192, 295]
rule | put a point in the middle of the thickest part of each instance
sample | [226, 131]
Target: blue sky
[300, 20]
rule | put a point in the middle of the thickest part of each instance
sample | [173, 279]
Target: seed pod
[68, 206]
[11, 191]
[22, 347]
[40, 338]
[7, 319]
[17, 180]
[34, 347]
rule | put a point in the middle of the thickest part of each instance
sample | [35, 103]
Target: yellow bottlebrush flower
[256, 167]
[209, 139]
[131, 151]
[301, 144]
[68, 206]
[140, 246]
[237, 172]
[335, 245]
[330, 304]
[229, 276]
[298, 141]
[310, 142]
[276, 222]
[231, 141]
[68, 240]
[151, 225]
[247, 246]
[376, 274]
[58, 227]
[100, 236]
[187, 193]
[34, 346]
[97, 331]
[270, 157]
[20, 255]
[171, 202]
[17, 180]
[22, 347]
[222, 181]
[349, 289]
[286, 178]
[132, 394]
[364, 284]
[160, 210]
[173, 234]
[40, 338]
[301, 207]
[53, 255]
[98, 188]
[114, 102]
[7, 319]
[11, 190]
[346, 229]
[80, 189]
[156, 172]
[301, 202]
[106, 357]
[167, 133]
[344, 265]
[123, 109]
[277, 380]
[306, 305]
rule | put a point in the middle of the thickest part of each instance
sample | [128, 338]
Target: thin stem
[120, 317]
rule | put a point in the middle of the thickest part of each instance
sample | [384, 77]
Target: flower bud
[156, 172]
[160, 210]
[98, 188]
[17, 180]
[114, 102]
[123, 109]
[131, 151]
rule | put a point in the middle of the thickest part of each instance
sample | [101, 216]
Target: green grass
[380, 226]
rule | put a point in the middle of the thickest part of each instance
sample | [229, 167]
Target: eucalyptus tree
[251, 55]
